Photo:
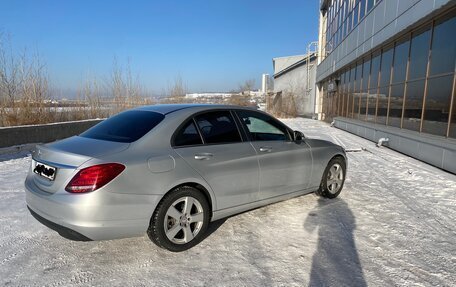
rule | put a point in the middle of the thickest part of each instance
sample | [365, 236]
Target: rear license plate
[45, 170]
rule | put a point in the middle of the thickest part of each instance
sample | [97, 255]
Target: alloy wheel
[183, 220]
[335, 178]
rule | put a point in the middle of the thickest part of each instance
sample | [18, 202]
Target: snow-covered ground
[393, 224]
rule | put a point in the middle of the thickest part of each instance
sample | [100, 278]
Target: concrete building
[387, 70]
[295, 75]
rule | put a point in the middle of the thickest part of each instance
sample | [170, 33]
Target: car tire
[333, 178]
[180, 219]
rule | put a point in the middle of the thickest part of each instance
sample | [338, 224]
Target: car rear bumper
[99, 215]
[62, 230]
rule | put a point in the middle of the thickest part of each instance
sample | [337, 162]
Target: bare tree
[247, 86]
[90, 104]
[24, 87]
[9, 73]
[177, 89]
[125, 90]
[34, 91]
[25, 93]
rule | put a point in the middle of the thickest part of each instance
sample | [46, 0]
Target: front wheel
[333, 178]
[180, 220]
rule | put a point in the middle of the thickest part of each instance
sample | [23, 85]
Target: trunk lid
[65, 156]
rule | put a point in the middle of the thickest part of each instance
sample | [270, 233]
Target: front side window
[218, 127]
[262, 127]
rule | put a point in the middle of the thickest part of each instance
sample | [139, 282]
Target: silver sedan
[169, 170]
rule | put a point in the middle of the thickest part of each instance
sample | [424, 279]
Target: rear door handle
[265, 149]
[203, 156]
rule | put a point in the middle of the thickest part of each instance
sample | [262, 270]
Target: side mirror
[298, 136]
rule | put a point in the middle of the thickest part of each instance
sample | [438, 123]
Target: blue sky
[213, 45]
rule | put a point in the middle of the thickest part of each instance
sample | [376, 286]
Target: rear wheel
[180, 220]
[333, 178]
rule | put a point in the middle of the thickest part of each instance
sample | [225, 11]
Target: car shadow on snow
[336, 261]
[212, 227]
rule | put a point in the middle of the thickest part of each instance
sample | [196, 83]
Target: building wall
[281, 63]
[435, 151]
[393, 74]
[407, 83]
[295, 82]
[383, 22]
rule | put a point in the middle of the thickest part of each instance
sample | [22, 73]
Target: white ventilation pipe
[382, 141]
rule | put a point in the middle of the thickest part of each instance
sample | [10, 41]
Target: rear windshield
[125, 127]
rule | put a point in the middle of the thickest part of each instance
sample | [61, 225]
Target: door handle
[265, 149]
[203, 156]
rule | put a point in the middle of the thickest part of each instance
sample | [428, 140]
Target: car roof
[169, 108]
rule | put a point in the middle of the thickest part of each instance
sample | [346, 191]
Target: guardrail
[18, 135]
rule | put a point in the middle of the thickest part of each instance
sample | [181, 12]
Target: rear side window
[125, 127]
[218, 127]
[188, 135]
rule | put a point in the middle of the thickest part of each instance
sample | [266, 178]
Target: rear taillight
[94, 177]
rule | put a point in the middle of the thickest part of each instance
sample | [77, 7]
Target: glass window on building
[356, 92]
[371, 105]
[382, 109]
[340, 34]
[400, 61]
[362, 9]
[355, 15]
[396, 102]
[334, 98]
[437, 105]
[373, 84]
[452, 133]
[375, 68]
[343, 98]
[369, 5]
[336, 101]
[443, 47]
[409, 85]
[347, 80]
[419, 52]
[364, 90]
[344, 93]
[413, 105]
[349, 22]
[350, 92]
[366, 71]
[340, 94]
[387, 61]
